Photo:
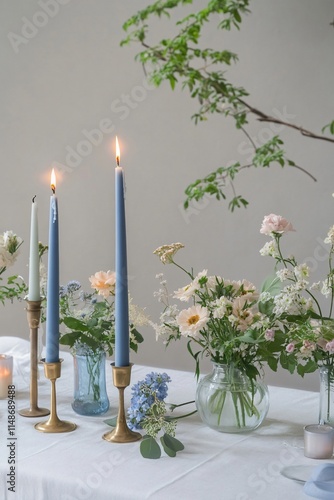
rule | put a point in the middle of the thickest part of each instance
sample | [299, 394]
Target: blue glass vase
[90, 394]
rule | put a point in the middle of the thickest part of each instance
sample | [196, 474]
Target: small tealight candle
[6, 374]
[318, 441]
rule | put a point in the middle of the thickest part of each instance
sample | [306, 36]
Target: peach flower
[104, 283]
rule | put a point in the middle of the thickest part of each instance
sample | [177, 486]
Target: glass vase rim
[82, 349]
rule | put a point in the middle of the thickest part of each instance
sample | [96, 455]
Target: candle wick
[33, 200]
[117, 161]
[53, 189]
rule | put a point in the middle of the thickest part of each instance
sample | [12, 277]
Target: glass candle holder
[6, 374]
[318, 441]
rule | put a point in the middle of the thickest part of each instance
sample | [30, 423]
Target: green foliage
[89, 319]
[203, 72]
[149, 448]
[15, 288]
[330, 127]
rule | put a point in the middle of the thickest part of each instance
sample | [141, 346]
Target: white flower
[167, 252]
[192, 320]
[265, 297]
[9, 248]
[186, 292]
[302, 271]
[137, 315]
[162, 331]
[284, 274]
[326, 289]
[269, 249]
[330, 236]
[221, 306]
[316, 286]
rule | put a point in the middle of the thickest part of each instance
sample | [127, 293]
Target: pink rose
[330, 347]
[269, 334]
[290, 347]
[275, 224]
[104, 283]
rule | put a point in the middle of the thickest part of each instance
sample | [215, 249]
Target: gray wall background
[69, 76]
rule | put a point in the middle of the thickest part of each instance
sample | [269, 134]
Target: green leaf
[69, 338]
[272, 285]
[76, 324]
[168, 451]
[111, 421]
[149, 448]
[272, 363]
[172, 443]
[309, 367]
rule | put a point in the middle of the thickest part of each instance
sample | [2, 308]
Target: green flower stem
[182, 269]
[168, 418]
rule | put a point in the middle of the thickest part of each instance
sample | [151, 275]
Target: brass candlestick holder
[121, 433]
[52, 372]
[33, 315]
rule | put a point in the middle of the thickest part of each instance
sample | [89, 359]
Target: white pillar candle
[6, 374]
[318, 441]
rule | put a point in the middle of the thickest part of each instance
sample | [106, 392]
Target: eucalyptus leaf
[168, 451]
[149, 448]
[172, 442]
[111, 421]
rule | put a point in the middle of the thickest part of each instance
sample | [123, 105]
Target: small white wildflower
[269, 249]
[302, 271]
[325, 290]
[284, 274]
[316, 286]
[265, 297]
[221, 306]
[330, 236]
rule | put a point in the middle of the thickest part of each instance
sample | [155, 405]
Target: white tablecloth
[80, 465]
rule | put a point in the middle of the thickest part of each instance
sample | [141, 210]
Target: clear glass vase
[90, 394]
[326, 409]
[228, 401]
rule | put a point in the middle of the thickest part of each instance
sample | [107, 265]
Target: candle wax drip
[54, 209]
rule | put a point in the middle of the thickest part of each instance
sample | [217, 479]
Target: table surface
[80, 465]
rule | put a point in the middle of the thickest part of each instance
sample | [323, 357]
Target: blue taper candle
[52, 302]
[122, 342]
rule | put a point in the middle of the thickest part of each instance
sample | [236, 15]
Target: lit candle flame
[118, 154]
[53, 181]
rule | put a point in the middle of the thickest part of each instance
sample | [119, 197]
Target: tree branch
[263, 117]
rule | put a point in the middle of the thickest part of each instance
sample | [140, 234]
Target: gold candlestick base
[33, 315]
[52, 372]
[121, 433]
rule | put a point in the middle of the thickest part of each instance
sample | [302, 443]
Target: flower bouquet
[88, 321]
[9, 250]
[225, 323]
[307, 342]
